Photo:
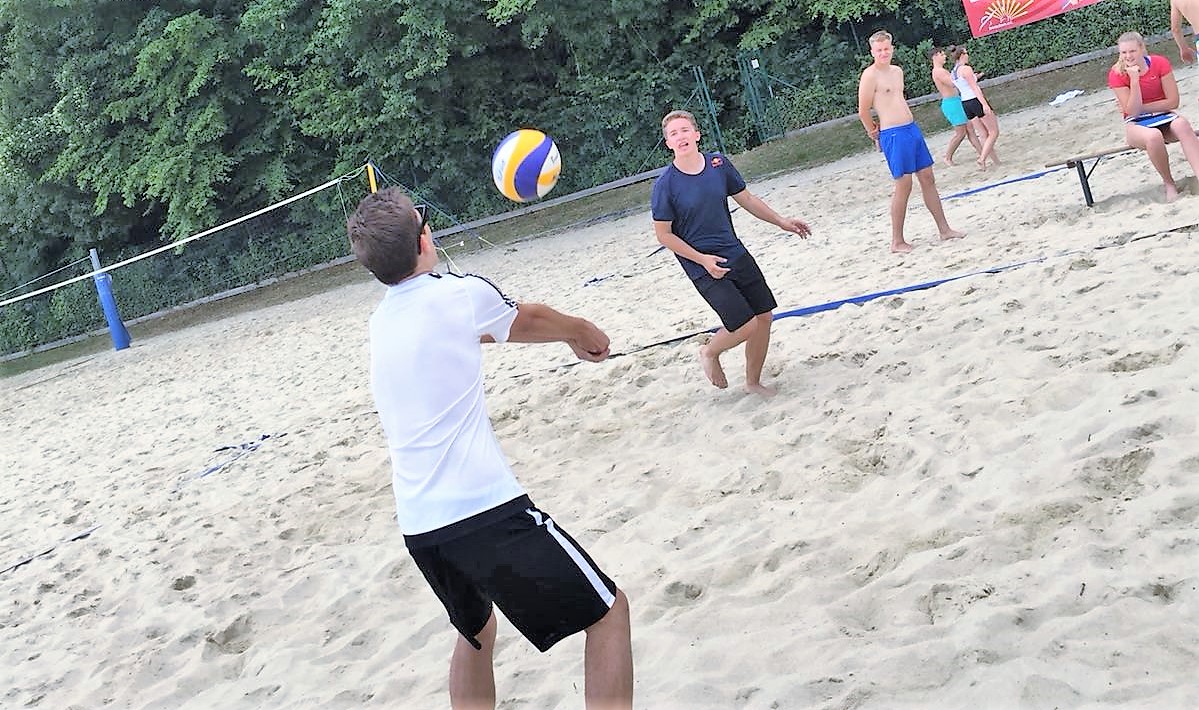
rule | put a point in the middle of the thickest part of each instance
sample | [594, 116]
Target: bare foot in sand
[712, 368]
[952, 234]
[949, 161]
[901, 247]
[762, 390]
[1171, 193]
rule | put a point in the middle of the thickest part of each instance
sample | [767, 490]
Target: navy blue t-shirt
[698, 210]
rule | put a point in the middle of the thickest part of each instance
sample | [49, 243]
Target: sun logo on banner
[1002, 12]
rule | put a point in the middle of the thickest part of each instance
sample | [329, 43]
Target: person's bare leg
[973, 138]
[899, 211]
[982, 133]
[722, 341]
[756, 346]
[1151, 141]
[932, 200]
[1185, 135]
[988, 152]
[959, 134]
[608, 660]
[472, 678]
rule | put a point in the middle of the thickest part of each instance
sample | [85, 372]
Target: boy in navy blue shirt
[691, 218]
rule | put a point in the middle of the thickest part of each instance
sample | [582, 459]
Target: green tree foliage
[126, 123]
[428, 88]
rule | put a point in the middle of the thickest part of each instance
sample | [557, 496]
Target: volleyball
[525, 165]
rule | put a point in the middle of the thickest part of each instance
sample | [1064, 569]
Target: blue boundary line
[866, 297]
[49, 549]
[1022, 178]
[859, 299]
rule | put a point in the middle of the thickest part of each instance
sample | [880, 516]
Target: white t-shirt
[427, 378]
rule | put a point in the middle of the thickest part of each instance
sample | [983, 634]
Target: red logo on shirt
[716, 161]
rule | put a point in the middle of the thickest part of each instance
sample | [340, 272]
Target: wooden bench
[1079, 163]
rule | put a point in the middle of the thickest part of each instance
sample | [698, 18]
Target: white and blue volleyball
[525, 165]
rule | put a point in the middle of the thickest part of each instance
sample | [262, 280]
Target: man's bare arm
[538, 323]
[757, 207]
[866, 88]
[1186, 50]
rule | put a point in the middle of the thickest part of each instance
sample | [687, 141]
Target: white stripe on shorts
[588, 571]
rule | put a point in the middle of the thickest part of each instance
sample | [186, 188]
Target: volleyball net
[301, 233]
[287, 237]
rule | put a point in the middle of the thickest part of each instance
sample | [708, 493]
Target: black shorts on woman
[973, 108]
[739, 295]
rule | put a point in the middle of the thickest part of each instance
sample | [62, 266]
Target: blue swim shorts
[905, 149]
[951, 106]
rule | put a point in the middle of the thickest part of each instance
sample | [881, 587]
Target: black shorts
[543, 581]
[740, 295]
[973, 108]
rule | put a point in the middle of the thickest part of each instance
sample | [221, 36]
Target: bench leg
[1084, 180]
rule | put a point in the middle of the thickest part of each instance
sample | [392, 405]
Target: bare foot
[901, 247]
[1171, 193]
[952, 234]
[982, 164]
[949, 161]
[762, 390]
[712, 369]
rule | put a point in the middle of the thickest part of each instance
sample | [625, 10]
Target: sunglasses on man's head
[423, 212]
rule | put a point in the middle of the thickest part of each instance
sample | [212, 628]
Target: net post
[701, 87]
[370, 176]
[108, 303]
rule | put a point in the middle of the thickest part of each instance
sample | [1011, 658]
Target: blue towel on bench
[1152, 120]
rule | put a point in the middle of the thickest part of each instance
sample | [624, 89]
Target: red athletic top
[1151, 79]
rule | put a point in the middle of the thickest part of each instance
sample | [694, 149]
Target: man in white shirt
[467, 522]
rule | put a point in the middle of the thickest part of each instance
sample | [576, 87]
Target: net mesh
[285, 238]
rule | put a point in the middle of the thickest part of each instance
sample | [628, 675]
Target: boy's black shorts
[740, 295]
[516, 556]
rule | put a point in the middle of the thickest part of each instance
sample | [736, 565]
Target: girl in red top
[1147, 93]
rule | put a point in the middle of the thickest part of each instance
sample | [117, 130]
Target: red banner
[991, 16]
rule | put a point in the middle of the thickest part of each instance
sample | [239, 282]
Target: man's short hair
[385, 234]
[679, 114]
[880, 36]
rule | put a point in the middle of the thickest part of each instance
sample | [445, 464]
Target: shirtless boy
[899, 138]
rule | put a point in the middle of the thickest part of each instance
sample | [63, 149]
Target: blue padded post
[108, 302]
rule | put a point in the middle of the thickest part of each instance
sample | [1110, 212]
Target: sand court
[980, 494]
